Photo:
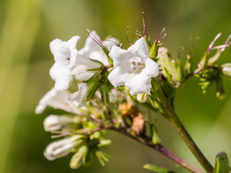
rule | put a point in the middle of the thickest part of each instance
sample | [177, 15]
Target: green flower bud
[155, 136]
[102, 157]
[170, 67]
[79, 158]
[104, 143]
[222, 163]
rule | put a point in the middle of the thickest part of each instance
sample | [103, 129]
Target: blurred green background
[27, 27]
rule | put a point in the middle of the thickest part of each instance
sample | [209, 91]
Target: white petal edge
[140, 47]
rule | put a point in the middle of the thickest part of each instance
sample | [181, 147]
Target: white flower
[54, 123]
[93, 50]
[133, 67]
[63, 100]
[62, 147]
[70, 62]
[64, 56]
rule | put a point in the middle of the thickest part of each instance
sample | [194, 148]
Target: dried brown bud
[127, 109]
[138, 124]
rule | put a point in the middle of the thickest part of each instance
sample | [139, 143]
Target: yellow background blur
[27, 27]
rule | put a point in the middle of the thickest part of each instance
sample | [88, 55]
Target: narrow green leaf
[153, 50]
[156, 169]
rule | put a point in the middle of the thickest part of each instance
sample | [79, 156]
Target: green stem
[173, 118]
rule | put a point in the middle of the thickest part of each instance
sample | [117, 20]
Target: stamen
[99, 42]
[136, 64]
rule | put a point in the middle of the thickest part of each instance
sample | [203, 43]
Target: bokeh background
[27, 27]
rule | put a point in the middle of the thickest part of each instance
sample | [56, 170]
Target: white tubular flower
[64, 61]
[91, 51]
[56, 99]
[71, 62]
[133, 67]
[54, 123]
[62, 147]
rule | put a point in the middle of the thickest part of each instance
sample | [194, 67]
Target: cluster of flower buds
[104, 85]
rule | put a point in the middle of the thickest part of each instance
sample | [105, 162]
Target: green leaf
[156, 169]
[222, 163]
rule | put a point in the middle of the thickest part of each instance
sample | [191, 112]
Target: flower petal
[73, 42]
[60, 51]
[77, 98]
[110, 42]
[45, 101]
[118, 77]
[140, 47]
[56, 99]
[151, 68]
[62, 76]
[90, 45]
[139, 84]
[83, 64]
[92, 50]
[119, 56]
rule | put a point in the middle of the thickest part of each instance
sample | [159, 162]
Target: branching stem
[157, 147]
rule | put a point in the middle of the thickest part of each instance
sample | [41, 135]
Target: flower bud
[226, 69]
[102, 157]
[79, 157]
[62, 147]
[142, 97]
[138, 124]
[109, 42]
[104, 143]
[54, 123]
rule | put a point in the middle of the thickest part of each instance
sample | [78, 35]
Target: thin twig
[157, 147]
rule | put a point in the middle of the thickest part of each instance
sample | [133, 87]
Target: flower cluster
[106, 86]
[132, 68]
